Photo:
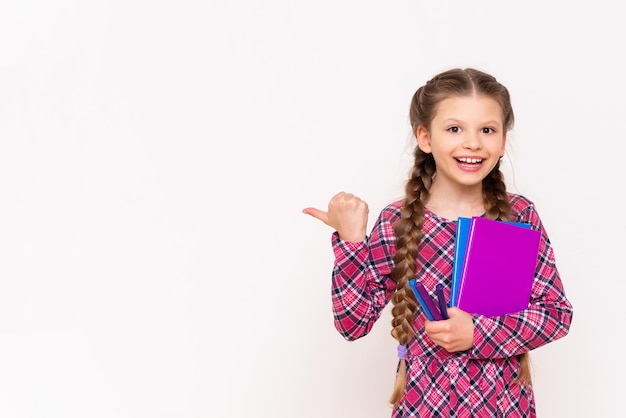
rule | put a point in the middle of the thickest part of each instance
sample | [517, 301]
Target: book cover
[460, 247]
[499, 267]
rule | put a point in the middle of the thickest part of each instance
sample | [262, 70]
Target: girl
[467, 365]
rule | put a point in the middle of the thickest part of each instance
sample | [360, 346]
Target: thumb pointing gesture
[316, 213]
[347, 214]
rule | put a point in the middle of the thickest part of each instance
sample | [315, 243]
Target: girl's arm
[361, 282]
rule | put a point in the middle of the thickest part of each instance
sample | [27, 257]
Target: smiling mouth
[473, 161]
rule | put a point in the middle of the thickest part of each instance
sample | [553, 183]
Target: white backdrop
[155, 157]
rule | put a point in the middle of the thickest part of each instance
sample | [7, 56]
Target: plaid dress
[474, 383]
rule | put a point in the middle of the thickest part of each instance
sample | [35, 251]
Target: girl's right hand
[347, 214]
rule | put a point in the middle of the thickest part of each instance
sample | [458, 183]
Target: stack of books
[493, 271]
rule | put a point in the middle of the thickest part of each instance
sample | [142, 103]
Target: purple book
[499, 268]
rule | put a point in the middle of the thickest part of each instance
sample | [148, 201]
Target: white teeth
[470, 160]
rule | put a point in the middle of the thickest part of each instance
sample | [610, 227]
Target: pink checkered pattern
[472, 383]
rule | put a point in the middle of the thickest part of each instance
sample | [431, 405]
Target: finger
[316, 213]
[435, 328]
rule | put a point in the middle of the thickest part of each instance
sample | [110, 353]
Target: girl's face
[466, 139]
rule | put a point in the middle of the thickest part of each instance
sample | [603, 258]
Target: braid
[496, 200]
[408, 231]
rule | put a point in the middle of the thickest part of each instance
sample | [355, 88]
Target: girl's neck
[451, 204]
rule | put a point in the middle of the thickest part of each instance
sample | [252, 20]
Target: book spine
[460, 242]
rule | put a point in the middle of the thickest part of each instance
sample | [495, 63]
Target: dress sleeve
[361, 281]
[547, 318]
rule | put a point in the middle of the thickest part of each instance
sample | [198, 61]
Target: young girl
[467, 365]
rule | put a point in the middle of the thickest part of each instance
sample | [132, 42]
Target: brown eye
[488, 130]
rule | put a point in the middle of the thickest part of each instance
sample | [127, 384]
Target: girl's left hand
[453, 334]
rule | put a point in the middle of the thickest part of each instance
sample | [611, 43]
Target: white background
[155, 157]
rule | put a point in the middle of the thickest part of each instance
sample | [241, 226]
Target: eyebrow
[489, 122]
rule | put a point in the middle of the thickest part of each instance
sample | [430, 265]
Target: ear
[423, 139]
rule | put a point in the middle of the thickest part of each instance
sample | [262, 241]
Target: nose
[472, 141]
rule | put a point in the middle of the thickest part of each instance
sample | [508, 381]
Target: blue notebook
[460, 248]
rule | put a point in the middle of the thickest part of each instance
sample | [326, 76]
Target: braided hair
[408, 230]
